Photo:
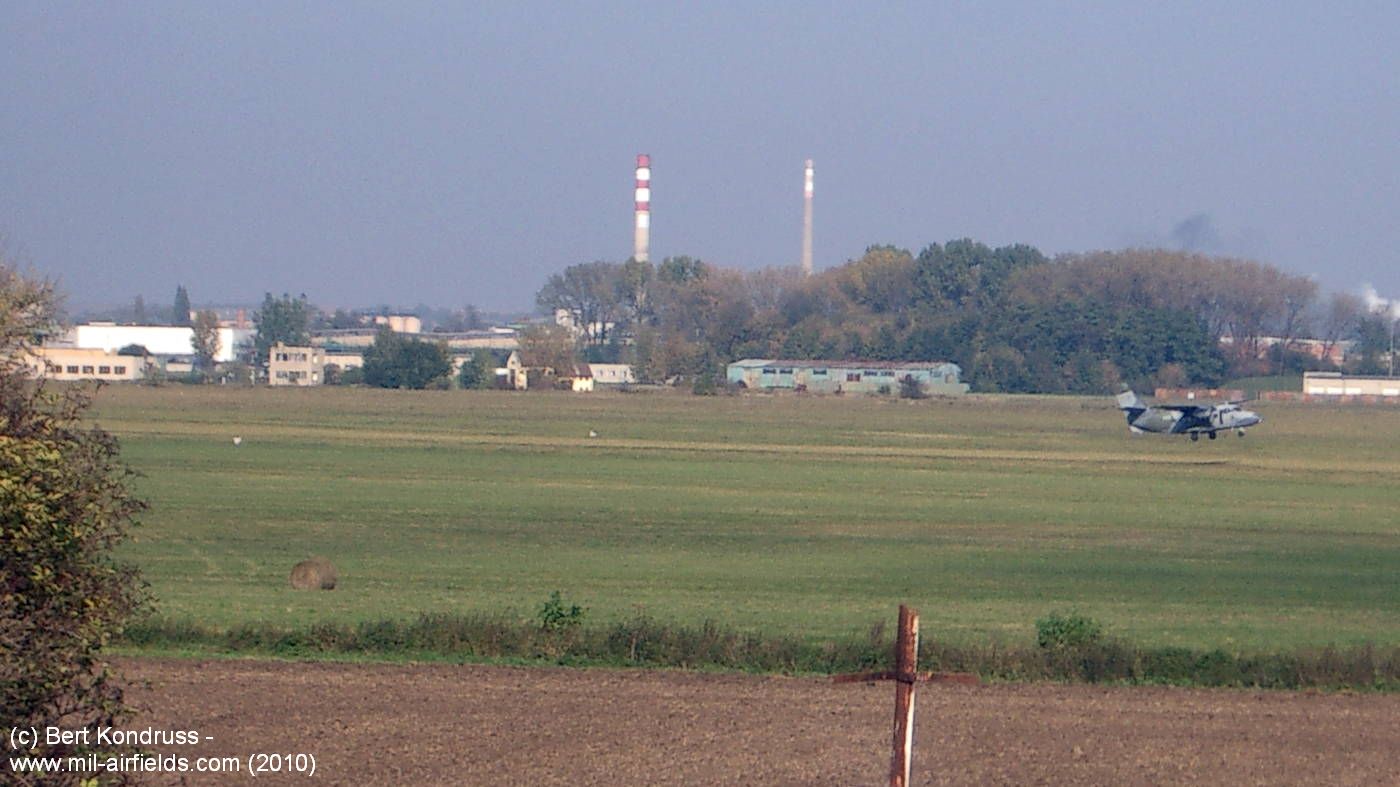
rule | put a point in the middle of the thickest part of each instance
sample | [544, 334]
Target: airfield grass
[789, 516]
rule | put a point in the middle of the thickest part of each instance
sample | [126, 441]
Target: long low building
[85, 363]
[1338, 384]
[156, 339]
[938, 378]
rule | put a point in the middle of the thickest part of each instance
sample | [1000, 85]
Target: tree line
[1012, 318]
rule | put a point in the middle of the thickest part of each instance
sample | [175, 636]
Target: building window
[784, 371]
[72, 370]
[770, 370]
[852, 377]
[87, 370]
[818, 372]
[104, 370]
[119, 369]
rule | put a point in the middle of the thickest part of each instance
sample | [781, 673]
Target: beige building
[580, 380]
[1338, 384]
[296, 365]
[83, 363]
[343, 358]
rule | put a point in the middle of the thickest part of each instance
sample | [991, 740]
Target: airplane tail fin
[1131, 405]
[1130, 401]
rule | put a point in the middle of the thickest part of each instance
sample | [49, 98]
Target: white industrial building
[157, 339]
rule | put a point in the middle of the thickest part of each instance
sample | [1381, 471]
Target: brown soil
[441, 724]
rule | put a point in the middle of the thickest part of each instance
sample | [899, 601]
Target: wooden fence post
[906, 676]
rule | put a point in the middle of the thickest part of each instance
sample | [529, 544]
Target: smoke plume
[1375, 304]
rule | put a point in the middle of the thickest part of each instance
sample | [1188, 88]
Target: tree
[548, 347]
[911, 388]
[64, 508]
[396, 361]
[282, 320]
[592, 294]
[138, 310]
[205, 341]
[1343, 315]
[180, 311]
[479, 372]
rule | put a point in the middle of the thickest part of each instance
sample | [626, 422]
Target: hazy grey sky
[450, 153]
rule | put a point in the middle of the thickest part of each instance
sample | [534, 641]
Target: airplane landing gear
[1239, 432]
[1195, 436]
[1212, 435]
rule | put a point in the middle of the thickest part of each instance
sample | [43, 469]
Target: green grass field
[812, 517]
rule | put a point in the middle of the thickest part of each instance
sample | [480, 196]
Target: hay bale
[316, 573]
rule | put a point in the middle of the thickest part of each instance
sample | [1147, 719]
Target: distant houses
[936, 378]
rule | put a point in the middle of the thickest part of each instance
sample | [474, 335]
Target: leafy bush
[555, 616]
[910, 388]
[1056, 631]
[64, 507]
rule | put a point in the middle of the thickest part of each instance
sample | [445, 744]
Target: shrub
[1056, 631]
[910, 388]
[64, 507]
[555, 616]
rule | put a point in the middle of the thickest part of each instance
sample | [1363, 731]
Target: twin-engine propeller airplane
[1192, 419]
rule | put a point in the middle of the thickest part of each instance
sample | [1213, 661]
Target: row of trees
[1012, 318]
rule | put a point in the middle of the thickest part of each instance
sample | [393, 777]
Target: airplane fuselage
[1191, 419]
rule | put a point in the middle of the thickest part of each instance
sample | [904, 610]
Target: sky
[452, 153]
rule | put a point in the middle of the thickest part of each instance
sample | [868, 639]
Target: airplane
[1192, 419]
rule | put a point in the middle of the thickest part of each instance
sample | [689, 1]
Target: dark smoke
[1196, 233]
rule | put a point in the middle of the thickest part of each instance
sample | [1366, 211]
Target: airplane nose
[1250, 419]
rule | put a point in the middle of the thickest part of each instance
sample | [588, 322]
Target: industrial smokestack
[807, 220]
[641, 239]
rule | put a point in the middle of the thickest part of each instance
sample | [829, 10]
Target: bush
[64, 507]
[555, 616]
[910, 388]
[1058, 632]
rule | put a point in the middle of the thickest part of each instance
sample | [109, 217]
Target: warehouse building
[936, 378]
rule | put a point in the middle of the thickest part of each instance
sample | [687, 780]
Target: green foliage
[910, 388]
[205, 341]
[285, 319]
[396, 361]
[642, 640]
[1012, 319]
[554, 615]
[180, 310]
[479, 372]
[1057, 631]
[64, 507]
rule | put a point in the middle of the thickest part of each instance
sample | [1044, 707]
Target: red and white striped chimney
[641, 240]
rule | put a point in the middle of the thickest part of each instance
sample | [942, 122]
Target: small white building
[612, 373]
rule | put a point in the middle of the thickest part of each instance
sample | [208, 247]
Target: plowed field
[442, 724]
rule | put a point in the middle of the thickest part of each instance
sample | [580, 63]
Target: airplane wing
[1186, 409]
